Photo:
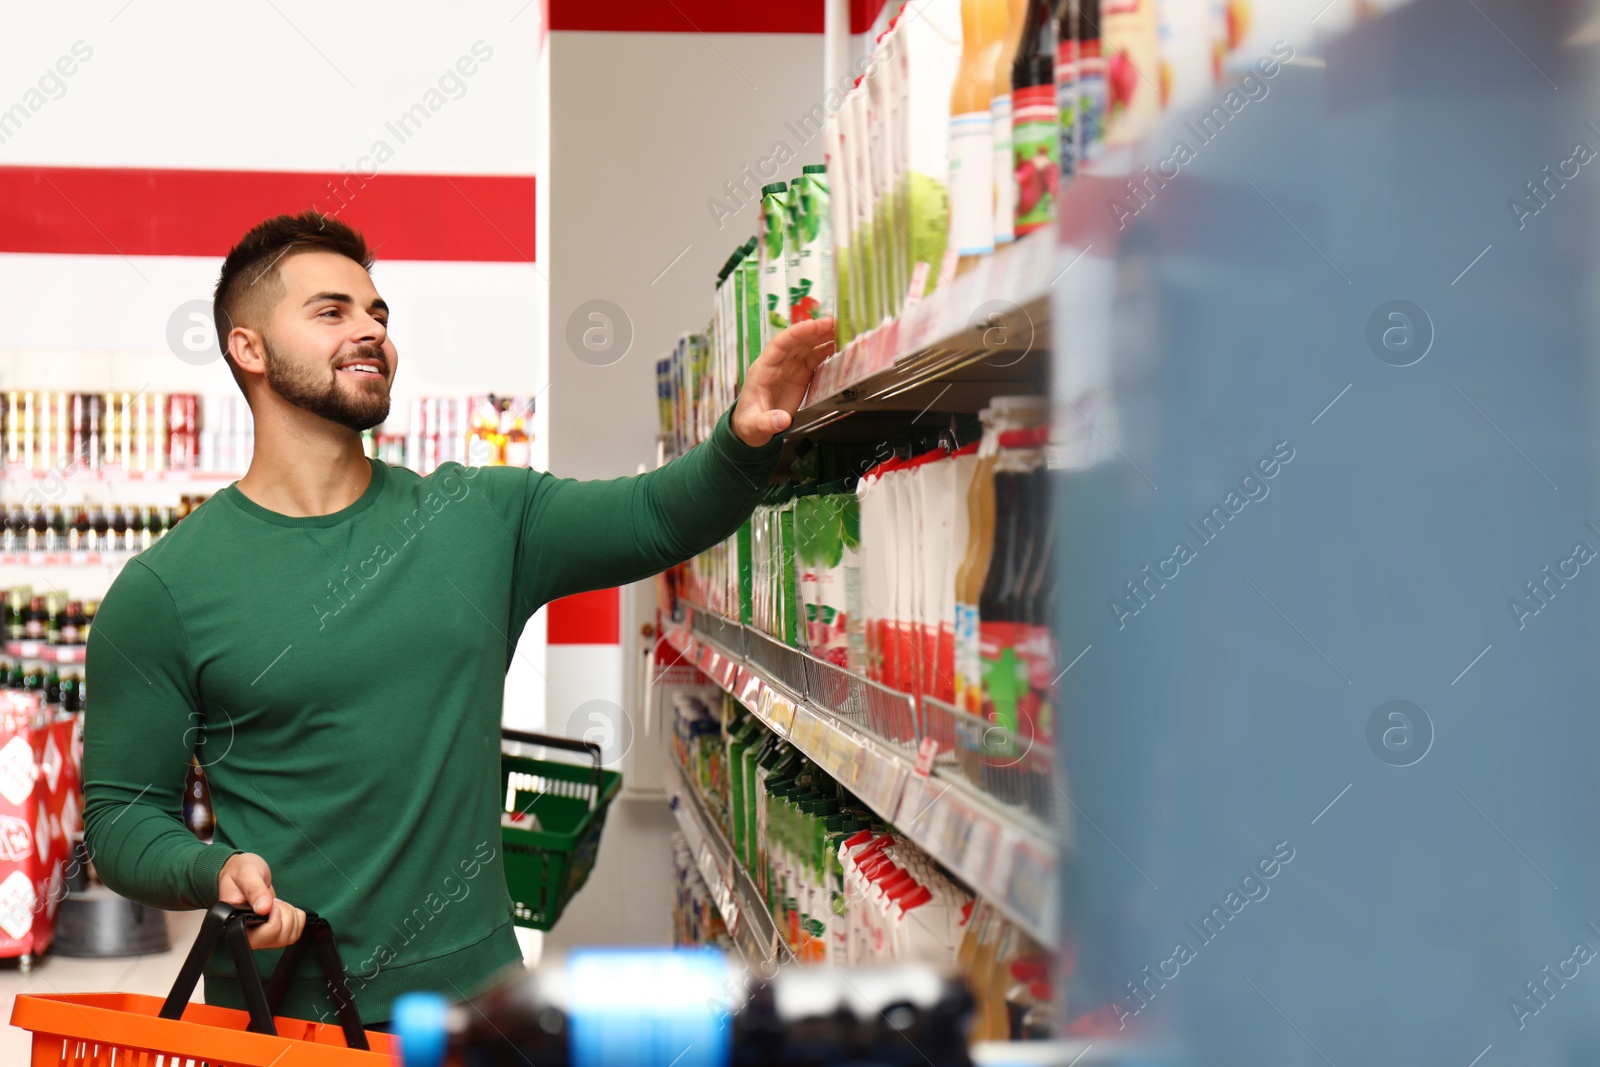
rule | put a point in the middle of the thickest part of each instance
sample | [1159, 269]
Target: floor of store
[153, 975]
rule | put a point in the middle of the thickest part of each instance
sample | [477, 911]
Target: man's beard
[306, 389]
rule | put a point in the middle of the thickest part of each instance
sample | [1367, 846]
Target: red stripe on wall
[149, 212]
[585, 619]
[690, 16]
[862, 12]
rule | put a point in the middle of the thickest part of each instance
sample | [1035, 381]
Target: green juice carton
[750, 267]
[774, 260]
[814, 290]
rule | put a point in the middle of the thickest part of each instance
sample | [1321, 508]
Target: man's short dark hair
[249, 287]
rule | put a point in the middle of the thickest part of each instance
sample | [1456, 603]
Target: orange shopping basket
[116, 1029]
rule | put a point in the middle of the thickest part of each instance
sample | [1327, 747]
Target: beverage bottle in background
[1003, 414]
[519, 447]
[197, 814]
[1089, 113]
[52, 686]
[52, 618]
[1000, 112]
[58, 528]
[98, 524]
[38, 530]
[1036, 119]
[608, 1006]
[1000, 603]
[983, 27]
[16, 614]
[33, 621]
[119, 528]
[89, 608]
[72, 623]
[72, 694]
[78, 536]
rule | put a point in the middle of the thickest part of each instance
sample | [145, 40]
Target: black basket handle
[225, 920]
[588, 748]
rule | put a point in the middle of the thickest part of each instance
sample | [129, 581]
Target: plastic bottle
[1036, 119]
[983, 28]
[1002, 626]
[1090, 112]
[610, 1007]
[1003, 413]
[1000, 109]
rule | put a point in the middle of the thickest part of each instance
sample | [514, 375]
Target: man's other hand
[246, 882]
[775, 384]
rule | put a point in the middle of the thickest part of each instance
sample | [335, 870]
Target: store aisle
[130, 974]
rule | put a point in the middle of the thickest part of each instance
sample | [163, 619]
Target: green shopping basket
[557, 811]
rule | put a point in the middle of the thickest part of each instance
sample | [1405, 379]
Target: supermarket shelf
[68, 654]
[26, 476]
[866, 736]
[64, 559]
[983, 334]
[749, 922]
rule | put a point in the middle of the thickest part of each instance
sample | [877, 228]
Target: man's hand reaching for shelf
[775, 385]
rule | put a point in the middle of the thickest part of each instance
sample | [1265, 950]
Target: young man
[335, 633]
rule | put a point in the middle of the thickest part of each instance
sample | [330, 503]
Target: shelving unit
[975, 337]
[867, 737]
[25, 476]
[65, 559]
[745, 914]
[63, 654]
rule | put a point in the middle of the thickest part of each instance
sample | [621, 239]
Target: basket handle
[226, 920]
[588, 748]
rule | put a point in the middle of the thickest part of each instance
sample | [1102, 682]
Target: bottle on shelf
[53, 604]
[89, 608]
[16, 613]
[33, 620]
[1000, 111]
[1036, 119]
[197, 812]
[983, 29]
[73, 624]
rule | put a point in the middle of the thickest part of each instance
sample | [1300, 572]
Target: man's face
[327, 348]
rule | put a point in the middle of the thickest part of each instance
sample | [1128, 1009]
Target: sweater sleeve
[582, 535]
[140, 726]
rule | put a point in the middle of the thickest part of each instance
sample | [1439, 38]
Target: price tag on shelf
[911, 811]
[802, 729]
[883, 777]
[1030, 889]
[850, 763]
[979, 851]
[749, 689]
[778, 711]
[1005, 853]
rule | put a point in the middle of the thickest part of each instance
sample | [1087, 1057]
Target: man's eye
[330, 311]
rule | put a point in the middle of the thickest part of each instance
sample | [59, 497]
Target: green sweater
[341, 678]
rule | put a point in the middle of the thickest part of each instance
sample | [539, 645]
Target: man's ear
[247, 349]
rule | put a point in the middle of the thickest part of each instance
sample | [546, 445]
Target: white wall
[634, 160]
[291, 85]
